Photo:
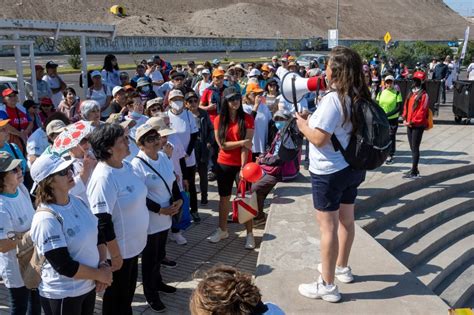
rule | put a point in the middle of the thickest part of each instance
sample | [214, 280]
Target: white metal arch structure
[19, 28]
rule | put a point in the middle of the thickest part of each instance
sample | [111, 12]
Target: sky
[463, 7]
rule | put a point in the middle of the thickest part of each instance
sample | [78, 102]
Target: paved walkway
[447, 143]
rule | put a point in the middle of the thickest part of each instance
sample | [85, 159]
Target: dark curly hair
[103, 138]
[226, 291]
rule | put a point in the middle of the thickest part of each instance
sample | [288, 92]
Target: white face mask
[176, 105]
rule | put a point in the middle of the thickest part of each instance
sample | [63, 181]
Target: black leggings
[119, 296]
[393, 135]
[152, 255]
[190, 176]
[414, 138]
[79, 305]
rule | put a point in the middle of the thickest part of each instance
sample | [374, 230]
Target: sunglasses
[234, 98]
[192, 100]
[152, 138]
[64, 172]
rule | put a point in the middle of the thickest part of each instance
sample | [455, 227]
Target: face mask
[176, 105]
[145, 89]
[279, 124]
[135, 115]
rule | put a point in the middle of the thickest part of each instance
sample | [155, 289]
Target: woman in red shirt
[233, 130]
[415, 118]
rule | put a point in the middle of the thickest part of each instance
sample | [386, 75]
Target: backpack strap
[336, 144]
[44, 209]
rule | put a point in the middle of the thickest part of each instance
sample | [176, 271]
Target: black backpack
[291, 141]
[370, 142]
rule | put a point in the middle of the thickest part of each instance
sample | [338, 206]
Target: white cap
[253, 73]
[96, 73]
[205, 71]
[116, 89]
[389, 78]
[175, 93]
[46, 165]
[55, 126]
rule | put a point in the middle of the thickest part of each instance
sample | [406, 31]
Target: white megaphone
[294, 87]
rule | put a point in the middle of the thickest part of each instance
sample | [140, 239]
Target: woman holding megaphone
[233, 130]
[334, 182]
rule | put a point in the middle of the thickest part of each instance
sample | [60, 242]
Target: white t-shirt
[302, 105]
[200, 87]
[185, 125]
[111, 79]
[281, 71]
[470, 72]
[78, 233]
[156, 187]
[260, 134]
[132, 144]
[16, 214]
[329, 117]
[80, 188]
[165, 87]
[54, 83]
[155, 77]
[178, 153]
[37, 142]
[100, 96]
[120, 193]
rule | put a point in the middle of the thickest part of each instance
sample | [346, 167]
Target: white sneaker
[343, 274]
[178, 238]
[317, 290]
[218, 235]
[249, 241]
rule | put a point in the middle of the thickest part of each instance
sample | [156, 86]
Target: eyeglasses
[152, 138]
[64, 172]
[234, 98]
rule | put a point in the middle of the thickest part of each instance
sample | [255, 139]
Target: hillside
[359, 19]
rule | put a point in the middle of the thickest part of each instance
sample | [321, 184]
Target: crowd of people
[118, 192]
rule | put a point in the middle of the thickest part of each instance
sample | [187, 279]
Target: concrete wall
[149, 44]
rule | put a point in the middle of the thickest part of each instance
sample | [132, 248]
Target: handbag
[430, 120]
[30, 261]
[177, 217]
[244, 208]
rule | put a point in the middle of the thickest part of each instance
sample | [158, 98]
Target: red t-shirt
[232, 157]
[18, 118]
[206, 99]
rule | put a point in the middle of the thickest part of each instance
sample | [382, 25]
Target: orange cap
[265, 68]
[291, 58]
[4, 122]
[217, 73]
[253, 87]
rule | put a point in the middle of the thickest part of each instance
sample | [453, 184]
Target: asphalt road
[8, 63]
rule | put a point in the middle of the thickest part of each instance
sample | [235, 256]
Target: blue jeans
[24, 301]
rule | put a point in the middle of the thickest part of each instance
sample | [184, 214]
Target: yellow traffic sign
[387, 38]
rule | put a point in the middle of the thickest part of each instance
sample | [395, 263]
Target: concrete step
[372, 195]
[437, 269]
[289, 255]
[394, 210]
[459, 293]
[422, 220]
[435, 240]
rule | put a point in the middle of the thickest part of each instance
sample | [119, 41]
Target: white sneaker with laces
[218, 235]
[343, 274]
[318, 290]
[178, 238]
[249, 241]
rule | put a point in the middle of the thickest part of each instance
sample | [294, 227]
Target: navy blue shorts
[329, 191]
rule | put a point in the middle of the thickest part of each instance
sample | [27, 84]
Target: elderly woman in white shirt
[118, 198]
[66, 233]
[163, 201]
[16, 214]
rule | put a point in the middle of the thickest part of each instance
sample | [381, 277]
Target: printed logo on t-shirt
[99, 204]
[130, 188]
[71, 232]
[51, 239]
[154, 177]
[22, 219]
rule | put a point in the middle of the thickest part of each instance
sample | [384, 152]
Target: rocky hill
[359, 19]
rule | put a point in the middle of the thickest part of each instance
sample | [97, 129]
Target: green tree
[72, 47]
[367, 50]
